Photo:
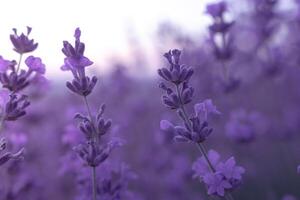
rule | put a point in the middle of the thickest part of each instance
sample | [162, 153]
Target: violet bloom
[176, 73]
[200, 166]
[16, 79]
[289, 197]
[22, 44]
[8, 155]
[4, 64]
[203, 109]
[216, 184]
[298, 169]
[244, 126]
[35, 64]
[231, 172]
[15, 107]
[199, 129]
[220, 26]
[224, 176]
[76, 62]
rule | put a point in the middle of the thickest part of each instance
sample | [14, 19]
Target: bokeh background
[126, 40]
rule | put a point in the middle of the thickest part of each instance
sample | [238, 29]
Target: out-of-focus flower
[205, 108]
[244, 126]
[35, 64]
[230, 171]
[8, 155]
[200, 166]
[217, 9]
[289, 197]
[216, 184]
[5, 64]
[15, 107]
[222, 177]
[22, 44]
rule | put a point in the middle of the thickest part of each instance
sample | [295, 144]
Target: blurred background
[248, 63]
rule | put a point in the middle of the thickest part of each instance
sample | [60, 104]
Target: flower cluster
[195, 128]
[76, 62]
[218, 176]
[14, 80]
[94, 150]
[245, 126]
[226, 176]
[8, 155]
[220, 27]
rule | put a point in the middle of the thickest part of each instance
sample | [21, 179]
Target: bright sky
[104, 24]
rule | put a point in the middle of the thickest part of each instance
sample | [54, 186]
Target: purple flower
[4, 158]
[217, 9]
[75, 59]
[4, 64]
[76, 62]
[22, 44]
[176, 73]
[223, 176]
[15, 107]
[216, 184]
[245, 126]
[35, 64]
[200, 166]
[230, 171]
[289, 197]
[205, 108]
[298, 169]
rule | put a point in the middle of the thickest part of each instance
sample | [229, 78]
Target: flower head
[205, 108]
[176, 73]
[216, 184]
[222, 177]
[216, 9]
[35, 64]
[5, 64]
[75, 59]
[22, 44]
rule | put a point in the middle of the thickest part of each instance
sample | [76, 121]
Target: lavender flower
[245, 126]
[216, 184]
[8, 155]
[76, 62]
[176, 73]
[195, 128]
[35, 64]
[94, 151]
[226, 176]
[22, 44]
[15, 107]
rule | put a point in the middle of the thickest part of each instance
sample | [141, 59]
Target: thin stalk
[188, 122]
[19, 63]
[94, 182]
[225, 70]
[1, 123]
[200, 146]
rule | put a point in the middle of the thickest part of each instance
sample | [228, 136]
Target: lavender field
[209, 115]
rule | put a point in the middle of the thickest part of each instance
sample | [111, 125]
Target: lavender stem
[200, 146]
[94, 183]
[19, 63]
